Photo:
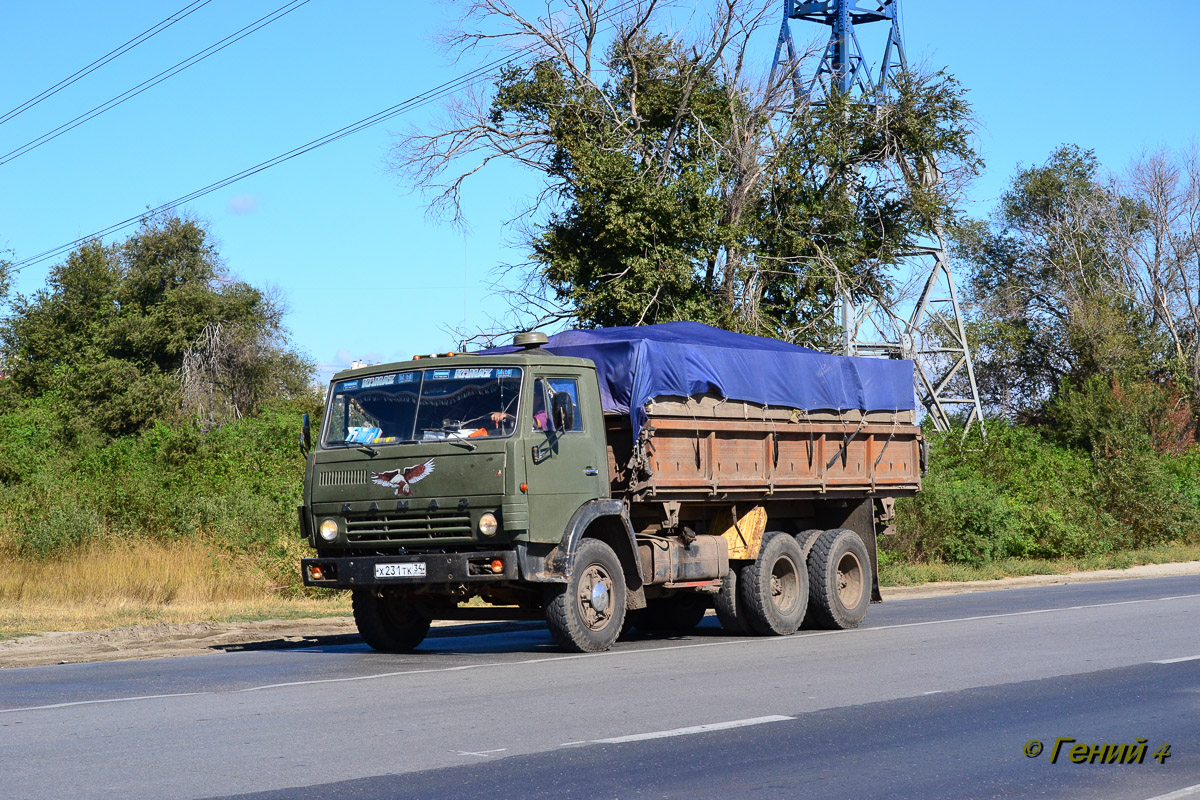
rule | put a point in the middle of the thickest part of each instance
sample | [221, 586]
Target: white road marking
[108, 700]
[738, 642]
[483, 753]
[572, 744]
[935, 691]
[1179, 794]
[712, 726]
[1177, 660]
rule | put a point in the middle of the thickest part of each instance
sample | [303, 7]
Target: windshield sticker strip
[389, 380]
[374, 381]
[462, 374]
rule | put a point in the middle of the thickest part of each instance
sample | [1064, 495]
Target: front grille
[396, 527]
[344, 477]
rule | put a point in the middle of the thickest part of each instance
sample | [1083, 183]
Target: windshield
[423, 405]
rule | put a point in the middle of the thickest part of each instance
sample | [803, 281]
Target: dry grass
[25, 619]
[901, 574]
[138, 583]
[143, 582]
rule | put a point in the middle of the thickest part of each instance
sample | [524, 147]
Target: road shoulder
[1092, 576]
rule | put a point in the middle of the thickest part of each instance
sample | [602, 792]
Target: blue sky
[365, 273]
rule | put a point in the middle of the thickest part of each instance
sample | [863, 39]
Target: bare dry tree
[583, 40]
[1150, 215]
[231, 370]
[597, 50]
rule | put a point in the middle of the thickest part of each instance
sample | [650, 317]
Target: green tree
[1081, 275]
[679, 186]
[109, 335]
[1047, 311]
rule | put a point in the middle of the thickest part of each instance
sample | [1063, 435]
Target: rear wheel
[586, 613]
[678, 613]
[839, 572]
[731, 611]
[774, 588]
[388, 622]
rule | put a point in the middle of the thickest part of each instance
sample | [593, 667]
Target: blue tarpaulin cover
[683, 359]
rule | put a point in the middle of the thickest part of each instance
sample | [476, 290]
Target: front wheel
[586, 613]
[774, 588]
[387, 621]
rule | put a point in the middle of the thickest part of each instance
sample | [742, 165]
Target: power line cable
[111, 55]
[414, 102]
[190, 61]
[457, 83]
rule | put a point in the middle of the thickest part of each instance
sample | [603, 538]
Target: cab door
[566, 462]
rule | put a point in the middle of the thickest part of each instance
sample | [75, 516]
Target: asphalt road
[931, 698]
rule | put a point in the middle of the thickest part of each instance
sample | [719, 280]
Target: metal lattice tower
[932, 335]
[843, 65]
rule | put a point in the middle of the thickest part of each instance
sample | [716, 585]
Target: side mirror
[305, 436]
[564, 411]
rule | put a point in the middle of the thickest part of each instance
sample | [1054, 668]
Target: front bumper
[350, 572]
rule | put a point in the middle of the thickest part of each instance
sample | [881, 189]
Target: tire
[678, 613]
[388, 622]
[731, 611]
[586, 613]
[774, 588]
[839, 579]
[806, 539]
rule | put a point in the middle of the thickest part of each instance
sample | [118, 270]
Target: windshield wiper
[366, 448]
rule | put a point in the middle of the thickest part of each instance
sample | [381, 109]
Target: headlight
[488, 524]
[329, 530]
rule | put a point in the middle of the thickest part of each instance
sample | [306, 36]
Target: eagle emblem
[402, 479]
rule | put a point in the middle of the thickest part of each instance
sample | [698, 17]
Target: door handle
[590, 471]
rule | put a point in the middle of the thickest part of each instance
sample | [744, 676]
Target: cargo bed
[715, 450]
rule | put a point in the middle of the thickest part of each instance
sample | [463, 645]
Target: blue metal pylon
[843, 66]
[933, 336]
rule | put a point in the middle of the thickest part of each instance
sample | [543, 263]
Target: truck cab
[440, 479]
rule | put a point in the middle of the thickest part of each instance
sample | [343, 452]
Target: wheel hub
[595, 597]
[850, 581]
[599, 598]
[785, 585]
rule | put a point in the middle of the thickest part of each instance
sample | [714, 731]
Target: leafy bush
[236, 487]
[1026, 494]
[1105, 413]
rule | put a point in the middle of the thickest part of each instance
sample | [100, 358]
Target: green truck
[623, 477]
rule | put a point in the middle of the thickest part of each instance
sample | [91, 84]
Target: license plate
[412, 569]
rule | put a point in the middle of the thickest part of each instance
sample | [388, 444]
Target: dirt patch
[165, 639]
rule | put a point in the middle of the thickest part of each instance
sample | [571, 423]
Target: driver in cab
[540, 418]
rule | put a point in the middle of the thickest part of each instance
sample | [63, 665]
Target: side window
[541, 417]
[567, 389]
